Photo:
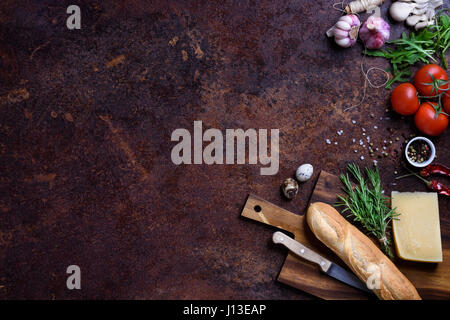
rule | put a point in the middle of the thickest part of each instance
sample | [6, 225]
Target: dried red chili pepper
[435, 169]
[433, 184]
[438, 187]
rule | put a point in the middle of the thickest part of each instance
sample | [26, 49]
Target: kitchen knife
[328, 267]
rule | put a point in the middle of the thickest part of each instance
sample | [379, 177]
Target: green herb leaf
[367, 204]
[426, 45]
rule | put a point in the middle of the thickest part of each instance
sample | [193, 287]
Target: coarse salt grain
[362, 157]
[328, 141]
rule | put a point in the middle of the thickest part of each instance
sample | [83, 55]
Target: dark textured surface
[85, 124]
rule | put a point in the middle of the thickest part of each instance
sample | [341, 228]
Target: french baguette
[360, 254]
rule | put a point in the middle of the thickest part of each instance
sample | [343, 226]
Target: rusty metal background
[85, 122]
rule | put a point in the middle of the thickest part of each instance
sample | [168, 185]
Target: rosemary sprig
[367, 204]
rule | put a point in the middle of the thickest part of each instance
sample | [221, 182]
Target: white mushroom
[417, 13]
[423, 24]
[413, 20]
[401, 10]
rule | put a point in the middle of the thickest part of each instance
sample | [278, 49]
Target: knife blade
[328, 267]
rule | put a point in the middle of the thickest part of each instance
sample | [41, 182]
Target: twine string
[339, 6]
[341, 9]
[367, 81]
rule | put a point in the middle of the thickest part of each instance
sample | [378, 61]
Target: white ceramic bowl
[423, 164]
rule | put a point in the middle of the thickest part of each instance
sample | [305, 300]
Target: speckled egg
[289, 188]
[304, 172]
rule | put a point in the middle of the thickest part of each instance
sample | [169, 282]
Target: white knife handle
[300, 250]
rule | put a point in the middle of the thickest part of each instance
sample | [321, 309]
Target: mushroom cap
[400, 11]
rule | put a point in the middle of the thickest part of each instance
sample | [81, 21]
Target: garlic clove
[345, 42]
[347, 19]
[355, 20]
[399, 11]
[343, 25]
[340, 34]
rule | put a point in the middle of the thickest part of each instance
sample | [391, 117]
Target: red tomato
[425, 75]
[446, 102]
[404, 99]
[427, 122]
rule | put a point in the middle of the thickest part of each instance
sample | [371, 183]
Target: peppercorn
[419, 152]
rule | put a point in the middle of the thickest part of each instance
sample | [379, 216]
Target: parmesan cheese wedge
[417, 232]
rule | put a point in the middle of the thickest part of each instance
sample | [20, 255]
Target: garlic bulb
[374, 32]
[417, 13]
[345, 31]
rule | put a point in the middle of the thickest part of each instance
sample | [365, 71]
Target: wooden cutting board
[432, 280]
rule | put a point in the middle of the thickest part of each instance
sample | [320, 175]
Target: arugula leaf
[401, 76]
[426, 45]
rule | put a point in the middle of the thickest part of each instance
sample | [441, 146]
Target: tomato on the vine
[446, 102]
[404, 99]
[431, 80]
[427, 122]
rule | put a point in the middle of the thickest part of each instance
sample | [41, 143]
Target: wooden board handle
[263, 211]
[300, 250]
